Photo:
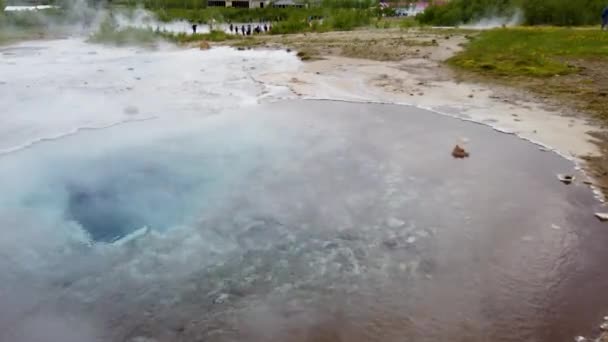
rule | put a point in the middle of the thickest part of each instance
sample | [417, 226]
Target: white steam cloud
[497, 21]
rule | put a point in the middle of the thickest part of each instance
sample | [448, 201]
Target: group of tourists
[247, 30]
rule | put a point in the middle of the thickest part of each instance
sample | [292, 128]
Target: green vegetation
[109, 33]
[458, 12]
[326, 15]
[535, 12]
[22, 25]
[563, 12]
[537, 52]
[213, 36]
[332, 20]
[202, 4]
[287, 20]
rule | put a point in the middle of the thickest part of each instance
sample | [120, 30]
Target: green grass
[213, 36]
[536, 52]
[286, 20]
[8, 37]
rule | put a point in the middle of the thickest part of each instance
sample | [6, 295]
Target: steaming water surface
[161, 195]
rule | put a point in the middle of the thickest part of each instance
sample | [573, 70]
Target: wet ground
[274, 221]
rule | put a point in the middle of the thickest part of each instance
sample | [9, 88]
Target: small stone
[588, 182]
[130, 69]
[604, 326]
[459, 152]
[556, 227]
[288, 50]
[394, 222]
[566, 179]
[580, 339]
[204, 45]
[471, 96]
[411, 240]
[602, 216]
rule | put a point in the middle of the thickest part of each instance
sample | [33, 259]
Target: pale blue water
[296, 221]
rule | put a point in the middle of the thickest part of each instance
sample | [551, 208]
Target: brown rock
[459, 152]
[204, 45]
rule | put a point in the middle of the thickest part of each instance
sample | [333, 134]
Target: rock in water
[204, 45]
[459, 152]
[566, 179]
[602, 216]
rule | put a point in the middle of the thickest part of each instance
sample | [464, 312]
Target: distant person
[194, 28]
[249, 30]
[605, 18]
[231, 27]
[265, 28]
[243, 29]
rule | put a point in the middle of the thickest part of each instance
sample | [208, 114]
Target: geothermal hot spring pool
[168, 195]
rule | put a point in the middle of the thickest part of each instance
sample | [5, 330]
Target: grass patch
[285, 20]
[108, 34]
[535, 52]
[213, 36]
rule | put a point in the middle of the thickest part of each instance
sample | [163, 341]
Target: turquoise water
[300, 221]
